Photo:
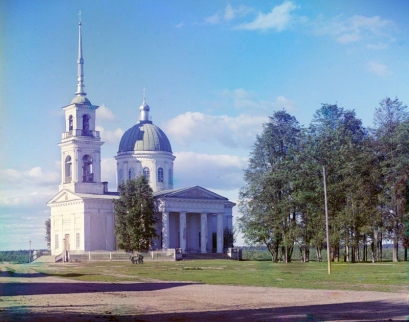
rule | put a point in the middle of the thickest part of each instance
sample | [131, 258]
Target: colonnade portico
[204, 218]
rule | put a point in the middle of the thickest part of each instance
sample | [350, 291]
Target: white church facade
[82, 212]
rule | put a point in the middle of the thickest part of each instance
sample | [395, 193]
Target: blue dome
[144, 136]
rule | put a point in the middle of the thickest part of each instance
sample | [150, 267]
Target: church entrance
[66, 247]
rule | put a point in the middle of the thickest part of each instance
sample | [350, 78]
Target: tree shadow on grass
[24, 289]
[13, 274]
[356, 311]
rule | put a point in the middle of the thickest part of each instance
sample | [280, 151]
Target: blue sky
[213, 72]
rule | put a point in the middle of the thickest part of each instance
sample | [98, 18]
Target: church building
[82, 212]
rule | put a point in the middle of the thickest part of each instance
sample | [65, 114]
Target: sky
[214, 71]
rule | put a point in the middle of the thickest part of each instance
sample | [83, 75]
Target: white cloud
[283, 103]
[355, 28]
[213, 20]
[224, 172]
[192, 128]
[231, 13]
[35, 176]
[378, 46]
[110, 137]
[228, 14]
[20, 225]
[23, 197]
[241, 98]
[31, 200]
[278, 19]
[108, 166]
[378, 68]
[104, 113]
[228, 131]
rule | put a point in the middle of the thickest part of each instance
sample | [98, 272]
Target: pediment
[195, 193]
[64, 196]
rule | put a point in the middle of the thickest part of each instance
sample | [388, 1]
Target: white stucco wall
[92, 219]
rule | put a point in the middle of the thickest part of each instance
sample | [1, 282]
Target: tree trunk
[335, 254]
[318, 251]
[302, 254]
[273, 249]
[405, 254]
[290, 253]
[346, 255]
[373, 251]
[286, 252]
[395, 255]
[352, 251]
[379, 248]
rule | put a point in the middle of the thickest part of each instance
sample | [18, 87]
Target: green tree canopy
[48, 232]
[134, 215]
[391, 133]
[282, 202]
[266, 201]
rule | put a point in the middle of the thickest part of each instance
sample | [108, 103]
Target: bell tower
[80, 143]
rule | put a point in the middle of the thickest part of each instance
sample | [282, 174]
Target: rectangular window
[56, 242]
[77, 240]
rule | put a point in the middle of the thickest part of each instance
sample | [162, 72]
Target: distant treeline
[15, 256]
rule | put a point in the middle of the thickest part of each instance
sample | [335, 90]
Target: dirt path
[30, 296]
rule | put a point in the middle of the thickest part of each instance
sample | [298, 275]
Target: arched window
[87, 174]
[170, 176]
[147, 173]
[70, 123]
[160, 175]
[120, 176]
[68, 169]
[85, 125]
[131, 173]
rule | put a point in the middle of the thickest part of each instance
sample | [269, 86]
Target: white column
[73, 239]
[165, 230]
[220, 233]
[125, 171]
[203, 233]
[76, 167]
[62, 237]
[63, 174]
[182, 228]
[97, 167]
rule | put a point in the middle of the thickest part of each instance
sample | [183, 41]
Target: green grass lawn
[387, 277]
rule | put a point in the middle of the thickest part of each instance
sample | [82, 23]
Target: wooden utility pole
[326, 221]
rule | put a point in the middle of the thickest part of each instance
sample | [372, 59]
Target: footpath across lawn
[386, 276]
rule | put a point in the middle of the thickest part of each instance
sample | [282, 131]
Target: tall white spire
[80, 62]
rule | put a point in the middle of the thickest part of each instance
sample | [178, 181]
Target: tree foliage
[391, 133]
[267, 203]
[48, 232]
[134, 215]
[282, 202]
